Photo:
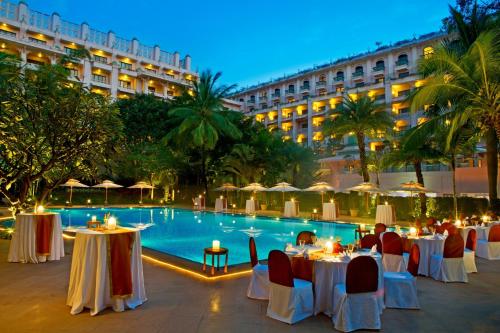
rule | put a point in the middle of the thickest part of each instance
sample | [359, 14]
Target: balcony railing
[357, 74]
[37, 41]
[99, 78]
[379, 68]
[290, 91]
[304, 87]
[402, 62]
[7, 33]
[250, 101]
[339, 78]
[102, 60]
[276, 95]
[124, 65]
[125, 84]
[320, 83]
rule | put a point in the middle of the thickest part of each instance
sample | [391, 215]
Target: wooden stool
[214, 252]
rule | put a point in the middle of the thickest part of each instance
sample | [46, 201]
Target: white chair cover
[470, 261]
[355, 311]
[89, 283]
[259, 283]
[448, 269]
[488, 250]
[23, 243]
[290, 305]
[393, 263]
[400, 290]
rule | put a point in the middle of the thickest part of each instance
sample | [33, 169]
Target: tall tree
[200, 119]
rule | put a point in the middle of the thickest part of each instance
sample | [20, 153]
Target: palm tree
[201, 119]
[470, 83]
[361, 116]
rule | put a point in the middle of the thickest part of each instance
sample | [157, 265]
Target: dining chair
[392, 252]
[308, 236]
[368, 241]
[490, 249]
[290, 299]
[470, 252]
[259, 282]
[355, 304]
[449, 266]
[400, 288]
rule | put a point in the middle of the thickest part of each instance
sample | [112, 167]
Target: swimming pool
[185, 233]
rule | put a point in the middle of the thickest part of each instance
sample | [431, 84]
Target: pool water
[185, 233]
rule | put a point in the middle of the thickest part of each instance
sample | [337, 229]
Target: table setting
[106, 270]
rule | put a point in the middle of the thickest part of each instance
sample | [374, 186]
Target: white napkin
[445, 233]
[374, 249]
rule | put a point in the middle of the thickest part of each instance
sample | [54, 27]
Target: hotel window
[37, 41]
[402, 60]
[69, 51]
[102, 60]
[428, 51]
[124, 65]
[339, 76]
[151, 90]
[99, 78]
[306, 84]
[379, 66]
[403, 74]
[291, 89]
[125, 84]
[73, 72]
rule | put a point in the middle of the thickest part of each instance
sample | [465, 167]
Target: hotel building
[298, 104]
[118, 67]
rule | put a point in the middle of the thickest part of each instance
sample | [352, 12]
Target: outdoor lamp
[362, 226]
[386, 203]
[222, 197]
[94, 218]
[315, 211]
[331, 200]
[40, 209]
[215, 245]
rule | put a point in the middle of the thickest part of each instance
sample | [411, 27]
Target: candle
[94, 218]
[215, 245]
[413, 231]
[40, 209]
[329, 247]
[362, 226]
[112, 222]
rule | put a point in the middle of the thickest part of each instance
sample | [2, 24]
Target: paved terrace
[33, 299]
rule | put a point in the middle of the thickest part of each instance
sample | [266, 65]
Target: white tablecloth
[23, 244]
[89, 283]
[290, 209]
[329, 211]
[329, 272]
[199, 203]
[428, 247]
[219, 205]
[250, 206]
[384, 215]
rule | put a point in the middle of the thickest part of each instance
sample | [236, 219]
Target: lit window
[428, 51]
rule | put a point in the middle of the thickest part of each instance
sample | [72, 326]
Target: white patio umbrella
[320, 187]
[367, 188]
[73, 183]
[283, 187]
[142, 185]
[107, 184]
[412, 188]
[254, 187]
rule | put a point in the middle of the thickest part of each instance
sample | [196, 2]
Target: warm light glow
[413, 231]
[315, 211]
[94, 218]
[362, 226]
[386, 203]
[458, 223]
[485, 218]
[199, 195]
[331, 200]
[40, 209]
[112, 222]
[3, 45]
[293, 199]
[329, 247]
[40, 54]
[216, 245]
[222, 197]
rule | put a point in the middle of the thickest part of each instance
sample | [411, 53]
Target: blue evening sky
[253, 41]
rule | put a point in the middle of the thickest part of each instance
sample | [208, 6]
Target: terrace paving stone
[33, 299]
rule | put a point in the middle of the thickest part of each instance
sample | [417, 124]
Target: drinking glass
[302, 243]
[350, 248]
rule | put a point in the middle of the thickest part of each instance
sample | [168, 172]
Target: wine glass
[302, 244]
[350, 248]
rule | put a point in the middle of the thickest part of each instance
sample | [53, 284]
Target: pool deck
[34, 296]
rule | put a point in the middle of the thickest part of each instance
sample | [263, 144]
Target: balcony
[251, 101]
[338, 79]
[304, 88]
[37, 41]
[101, 79]
[125, 84]
[7, 33]
[321, 109]
[401, 64]
[276, 95]
[378, 70]
[289, 92]
[358, 75]
[100, 59]
[320, 84]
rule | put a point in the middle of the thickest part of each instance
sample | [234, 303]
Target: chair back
[414, 260]
[362, 275]
[392, 243]
[471, 240]
[254, 259]
[453, 246]
[452, 229]
[431, 221]
[494, 235]
[380, 228]
[308, 236]
[280, 269]
[440, 229]
[369, 240]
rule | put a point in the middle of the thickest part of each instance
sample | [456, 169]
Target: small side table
[213, 252]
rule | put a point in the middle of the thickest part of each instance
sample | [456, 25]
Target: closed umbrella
[320, 187]
[73, 183]
[142, 185]
[107, 184]
[283, 187]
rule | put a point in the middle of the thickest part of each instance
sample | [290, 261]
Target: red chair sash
[471, 240]
[308, 236]
[44, 226]
[494, 235]
[380, 228]
[392, 243]
[280, 269]
[453, 246]
[431, 221]
[120, 270]
[362, 275]
[440, 229]
[302, 268]
[414, 260]
[254, 260]
[369, 240]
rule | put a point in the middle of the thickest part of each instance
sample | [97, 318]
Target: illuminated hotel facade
[118, 67]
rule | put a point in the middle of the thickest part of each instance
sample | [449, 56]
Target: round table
[428, 246]
[220, 205]
[329, 211]
[90, 279]
[37, 238]
[215, 252]
[385, 214]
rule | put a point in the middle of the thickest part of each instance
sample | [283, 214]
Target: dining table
[327, 270]
[291, 209]
[37, 238]
[106, 270]
[220, 204]
[250, 206]
[329, 211]
[385, 214]
[428, 245]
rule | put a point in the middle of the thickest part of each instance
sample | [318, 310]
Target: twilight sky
[253, 41]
